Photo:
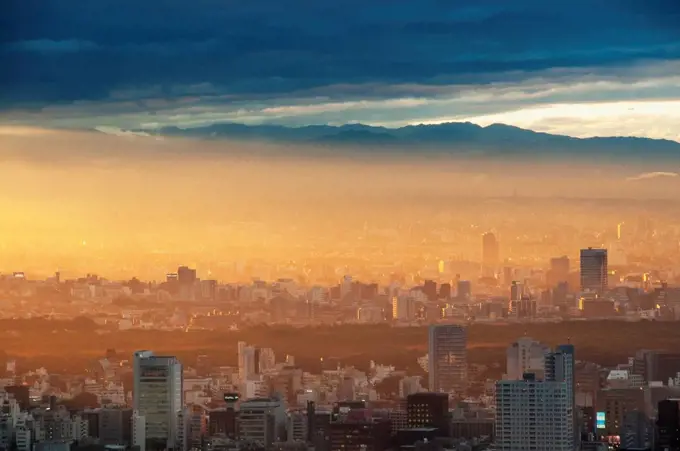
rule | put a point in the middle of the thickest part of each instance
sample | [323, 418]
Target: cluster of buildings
[503, 291]
[547, 400]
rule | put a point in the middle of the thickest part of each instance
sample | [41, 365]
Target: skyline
[545, 67]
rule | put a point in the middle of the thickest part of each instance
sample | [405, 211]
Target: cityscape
[357, 225]
[445, 389]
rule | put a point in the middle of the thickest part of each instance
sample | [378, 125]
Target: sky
[579, 67]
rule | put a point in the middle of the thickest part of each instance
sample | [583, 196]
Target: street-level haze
[87, 202]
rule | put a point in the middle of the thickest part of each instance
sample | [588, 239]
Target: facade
[668, 425]
[354, 435]
[158, 396]
[247, 361]
[262, 421]
[560, 367]
[636, 431]
[115, 426]
[593, 270]
[533, 415]
[428, 410]
[490, 254]
[615, 403]
[296, 426]
[447, 359]
[525, 356]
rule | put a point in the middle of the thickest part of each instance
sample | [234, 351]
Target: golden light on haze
[125, 206]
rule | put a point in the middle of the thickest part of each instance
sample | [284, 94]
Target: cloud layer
[302, 61]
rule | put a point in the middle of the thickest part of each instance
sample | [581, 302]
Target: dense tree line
[76, 342]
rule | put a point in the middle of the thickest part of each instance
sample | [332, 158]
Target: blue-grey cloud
[55, 51]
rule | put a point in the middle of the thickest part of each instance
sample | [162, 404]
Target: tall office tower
[186, 278]
[668, 425]
[517, 291]
[247, 363]
[533, 415]
[430, 290]
[463, 290]
[559, 367]
[445, 291]
[559, 270]
[158, 396]
[490, 254]
[186, 275]
[594, 270]
[447, 358]
[526, 355]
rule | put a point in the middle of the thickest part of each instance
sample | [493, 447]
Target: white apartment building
[525, 356]
[533, 415]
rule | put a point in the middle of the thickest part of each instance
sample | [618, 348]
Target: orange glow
[124, 206]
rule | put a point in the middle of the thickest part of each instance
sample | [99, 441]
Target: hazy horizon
[124, 206]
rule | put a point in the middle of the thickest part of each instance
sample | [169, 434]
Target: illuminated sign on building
[231, 397]
[600, 420]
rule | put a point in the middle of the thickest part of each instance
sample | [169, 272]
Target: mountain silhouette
[451, 137]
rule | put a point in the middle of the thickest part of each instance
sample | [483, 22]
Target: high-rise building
[668, 425]
[490, 254]
[560, 367]
[158, 397]
[403, 308]
[612, 405]
[525, 356]
[463, 289]
[262, 420]
[517, 291]
[636, 431]
[447, 359]
[559, 270]
[430, 290]
[593, 270]
[186, 275]
[533, 415]
[445, 291]
[247, 361]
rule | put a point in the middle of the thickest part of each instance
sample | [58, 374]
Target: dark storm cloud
[56, 51]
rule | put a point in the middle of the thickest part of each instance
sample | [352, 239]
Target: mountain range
[452, 137]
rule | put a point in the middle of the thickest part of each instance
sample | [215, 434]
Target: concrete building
[138, 431]
[533, 415]
[115, 426]
[560, 367]
[594, 270]
[158, 396]
[525, 356]
[262, 420]
[296, 426]
[447, 361]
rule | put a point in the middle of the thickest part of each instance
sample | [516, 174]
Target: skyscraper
[594, 270]
[668, 425]
[490, 254]
[559, 271]
[158, 397]
[559, 367]
[247, 361]
[447, 358]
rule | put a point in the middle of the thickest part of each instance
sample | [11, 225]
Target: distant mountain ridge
[451, 137]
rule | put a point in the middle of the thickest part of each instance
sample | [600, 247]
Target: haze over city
[339, 226]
